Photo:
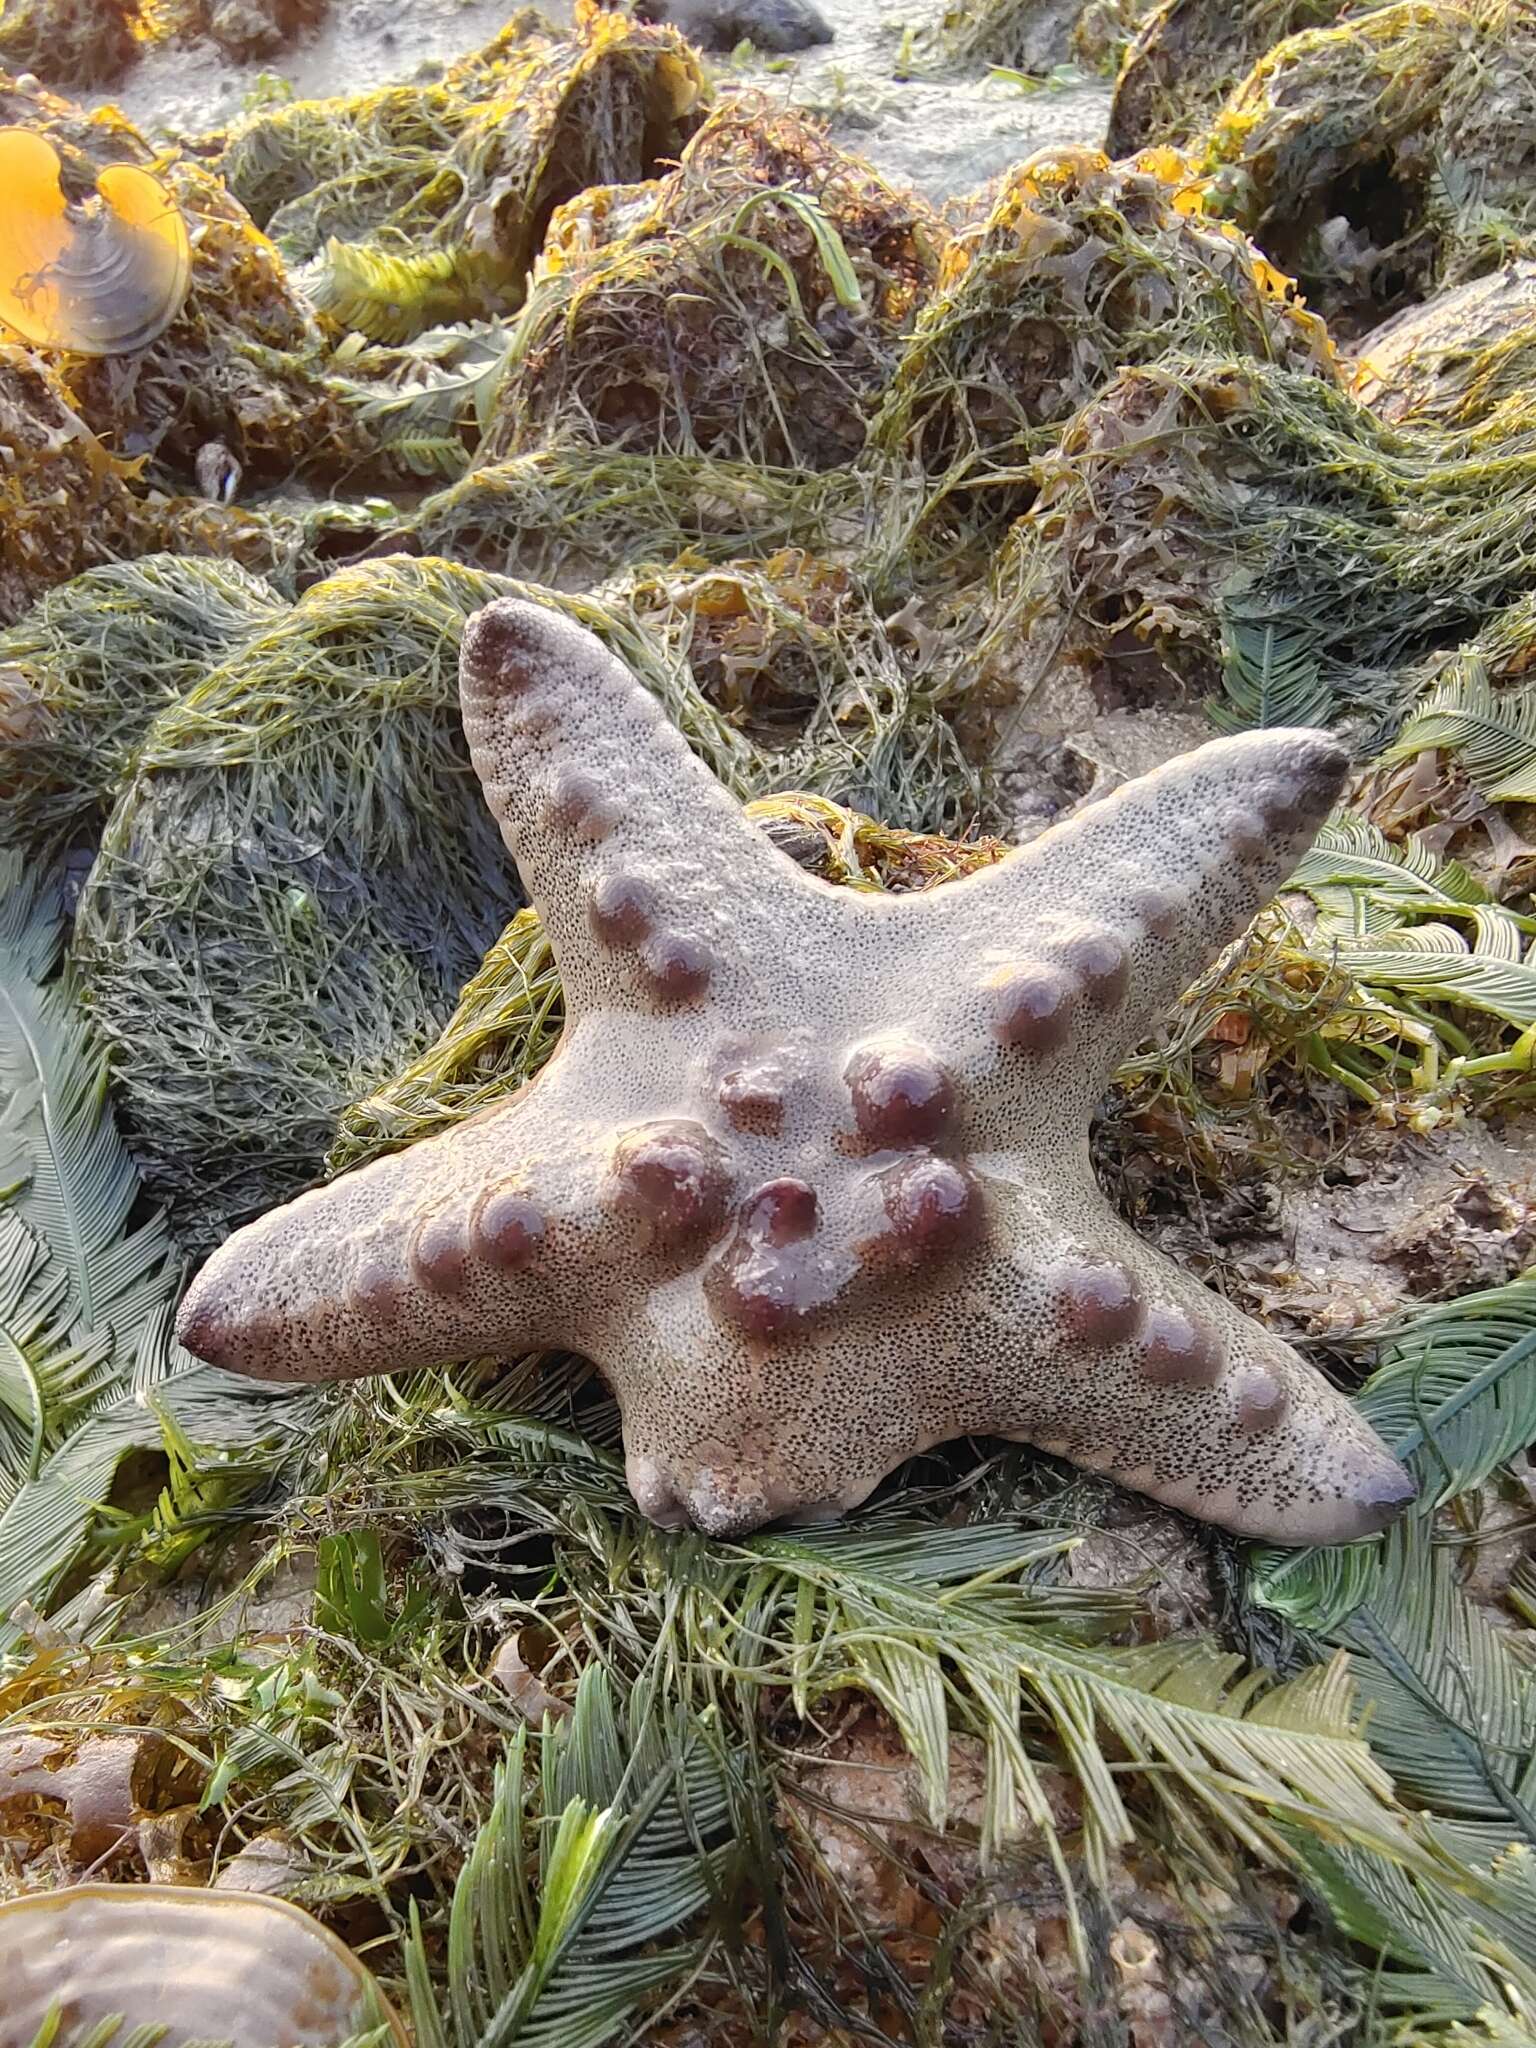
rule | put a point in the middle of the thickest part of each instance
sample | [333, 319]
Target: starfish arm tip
[651, 883]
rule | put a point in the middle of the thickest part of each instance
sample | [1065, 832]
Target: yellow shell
[227, 1966]
[100, 278]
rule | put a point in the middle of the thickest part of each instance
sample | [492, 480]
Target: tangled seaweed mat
[85, 673]
[67, 504]
[420, 205]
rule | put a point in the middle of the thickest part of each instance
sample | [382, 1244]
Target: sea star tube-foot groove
[808, 1176]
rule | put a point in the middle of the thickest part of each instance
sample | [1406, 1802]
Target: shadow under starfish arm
[808, 1175]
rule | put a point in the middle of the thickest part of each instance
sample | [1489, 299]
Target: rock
[1450, 361]
[778, 26]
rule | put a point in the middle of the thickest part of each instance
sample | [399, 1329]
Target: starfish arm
[1083, 938]
[487, 1240]
[1109, 1354]
[656, 892]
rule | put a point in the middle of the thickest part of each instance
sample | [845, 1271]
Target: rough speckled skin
[808, 1176]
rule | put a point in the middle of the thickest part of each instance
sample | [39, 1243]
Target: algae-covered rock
[1232, 526]
[1452, 360]
[748, 306]
[1026, 35]
[247, 29]
[1187, 55]
[424, 204]
[83, 43]
[75, 43]
[242, 362]
[771, 25]
[1077, 268]
[1389, 153]
[68, 502]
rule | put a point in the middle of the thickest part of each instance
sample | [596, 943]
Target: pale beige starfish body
[808, 1176]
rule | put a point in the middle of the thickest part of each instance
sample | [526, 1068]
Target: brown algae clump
[1233, 526]
[1187, 55]
[76, 43]
[748, 306]
[1077, 268]
[1387, 154]
[65, 501]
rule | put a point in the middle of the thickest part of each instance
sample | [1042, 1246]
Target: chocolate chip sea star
[808, 1174]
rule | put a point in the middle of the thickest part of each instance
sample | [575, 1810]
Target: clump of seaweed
[1386, 155]
[1185, 56]
[836, 700]
[242, 364]
[77, 43]
[66, 501]
[1023, 35]
[243, 29]
[418, 206]
[748, 306]
[1077, 269]
[1235, 528]
[84, 43]
[291, 888]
